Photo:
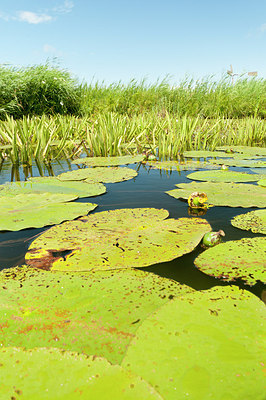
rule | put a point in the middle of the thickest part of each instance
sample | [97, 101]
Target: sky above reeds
[119, 40]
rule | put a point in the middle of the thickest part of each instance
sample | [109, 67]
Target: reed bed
[46, 138]
[46, 89]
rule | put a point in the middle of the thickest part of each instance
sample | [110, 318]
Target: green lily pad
[253, 220]
[259, 171]
[262, 182]
[92, 313]
[205, 154]
[223, 176]
[181, 166]
[207, 345]
[247, 150]
[237, 259]
[108, 161]
[36, 210]
[54, 185]
[122, 238]
[55, 374]
[239, 162]
[99, 174]
[224, 194]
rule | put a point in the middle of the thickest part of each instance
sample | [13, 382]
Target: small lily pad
[108, 161]
[223, 176]
[206, 345]
[92, 313]
[239, 162]
[54, 185]
[181, 166]
[122, 238]
[55, 374]
[224, 194]
[248, 150]
[262, 182]
[99, 174]
[36, 210]
[253, 220]
[205, 154]
[237, 259]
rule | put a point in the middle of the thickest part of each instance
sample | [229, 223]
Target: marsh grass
[110, 134]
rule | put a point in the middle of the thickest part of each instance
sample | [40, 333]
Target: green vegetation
[46, 114]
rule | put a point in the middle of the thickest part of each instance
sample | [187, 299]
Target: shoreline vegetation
[46, 114]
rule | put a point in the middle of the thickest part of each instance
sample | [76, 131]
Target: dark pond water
[146, 190]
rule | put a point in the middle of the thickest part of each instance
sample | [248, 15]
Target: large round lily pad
[120, 238]
[223, 176]
[237, 259]
[181, 166]
[99, 174]
[207, 345]
[108, 161]
[248, 150]
[36, 210]
[224, 194]
[239, 162]
[54, 185]
[93, 313]
[55, 374]
[253, 220]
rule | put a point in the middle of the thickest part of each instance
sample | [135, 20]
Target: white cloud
[263, 28]
[47, 48]
[39, 17]
[33, 18]
[64, 8]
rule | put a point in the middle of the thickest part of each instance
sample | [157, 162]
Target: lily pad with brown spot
[223, 176]
[237, 259]
[208, 345]
[93, 313]
[224, 194]
[49, 373]
[253, 220]
[181, 166]
[99, 174]
[53, 185]
[122, 238]
[108, 161]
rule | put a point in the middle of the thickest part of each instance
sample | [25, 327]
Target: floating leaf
[237, 259]
[205, 154]
[181, 166]
[262, 182]
[92, 313]
[206, 345]
[223, 176]
[116, 239]
[54, 185]
[224, 194]
[259, 171]
[36, 210]
[55, 374]
[108, 161]
[253, 220]
[247, 150]
[239, 162]
[99, 174]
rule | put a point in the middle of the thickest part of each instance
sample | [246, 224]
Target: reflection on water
[145, 190]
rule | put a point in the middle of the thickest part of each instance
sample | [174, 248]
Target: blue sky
[119, 40]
